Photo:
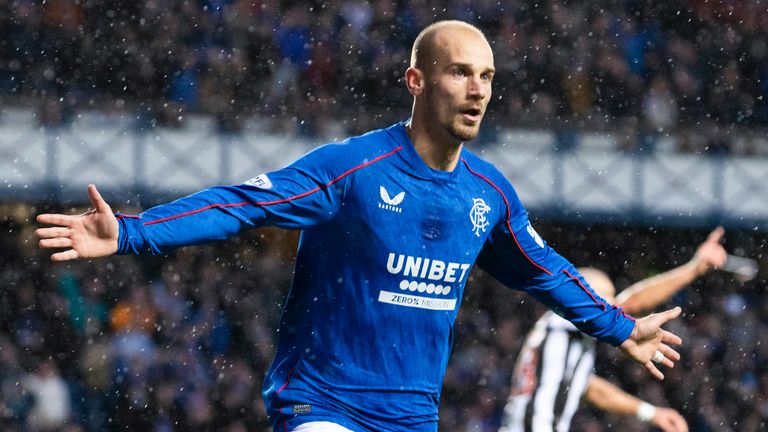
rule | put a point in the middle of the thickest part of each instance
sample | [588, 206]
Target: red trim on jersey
[287, 380]
[623, 312]
[280, 201]
[509, 225]
[578, 282]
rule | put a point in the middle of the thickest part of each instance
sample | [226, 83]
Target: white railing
[592, 182]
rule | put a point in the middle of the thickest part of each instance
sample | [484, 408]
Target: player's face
[458, 85]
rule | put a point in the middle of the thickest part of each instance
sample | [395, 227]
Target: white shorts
[320, 427]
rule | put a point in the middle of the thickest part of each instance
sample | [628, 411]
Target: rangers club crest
[477, 215]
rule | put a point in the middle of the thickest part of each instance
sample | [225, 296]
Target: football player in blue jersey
[391, 222]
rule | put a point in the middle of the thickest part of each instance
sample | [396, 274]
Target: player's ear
[414, 80]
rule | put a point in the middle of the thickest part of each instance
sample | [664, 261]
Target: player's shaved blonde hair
[424, 48]
[599, 281]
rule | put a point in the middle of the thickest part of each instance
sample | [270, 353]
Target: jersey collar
[411, 157]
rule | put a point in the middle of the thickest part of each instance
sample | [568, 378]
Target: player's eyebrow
[488, 70]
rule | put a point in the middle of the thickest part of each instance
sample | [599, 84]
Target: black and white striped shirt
[550, 377]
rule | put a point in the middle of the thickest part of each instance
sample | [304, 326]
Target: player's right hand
[669, 420]
[89, 235]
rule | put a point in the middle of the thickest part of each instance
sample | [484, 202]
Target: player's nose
[477, 88]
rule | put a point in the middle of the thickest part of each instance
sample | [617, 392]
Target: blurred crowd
[652, 67]
[182, 342]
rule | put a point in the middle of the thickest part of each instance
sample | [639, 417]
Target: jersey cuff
[122, 242]
[624, 331]
[130, 239]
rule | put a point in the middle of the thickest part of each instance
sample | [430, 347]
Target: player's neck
[437, 151]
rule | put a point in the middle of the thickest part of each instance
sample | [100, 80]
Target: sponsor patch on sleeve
[536, 237]
[262, 182]
[302, 409]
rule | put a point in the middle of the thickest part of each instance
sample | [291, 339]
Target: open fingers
[669, 352]
[65, 256]
[97, 201]
[59, 242]
[670, 338]
[53, 232]
[654, 370]
[56, 219]
[668, 362]
[668, 315]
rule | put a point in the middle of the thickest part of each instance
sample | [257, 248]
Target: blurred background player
[554, 370]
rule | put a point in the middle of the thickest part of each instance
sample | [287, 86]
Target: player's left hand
[710, 254]
[648, 337]
[669, 420]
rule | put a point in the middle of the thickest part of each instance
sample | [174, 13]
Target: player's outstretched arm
[649, 293]
[606, 396]
[89, 235]
[648, 338]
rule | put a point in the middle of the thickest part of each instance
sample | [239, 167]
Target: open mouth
[472, 114]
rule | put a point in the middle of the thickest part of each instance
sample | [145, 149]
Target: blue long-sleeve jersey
[386, 247]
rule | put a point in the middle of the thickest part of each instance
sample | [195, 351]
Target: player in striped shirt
[554, 370]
